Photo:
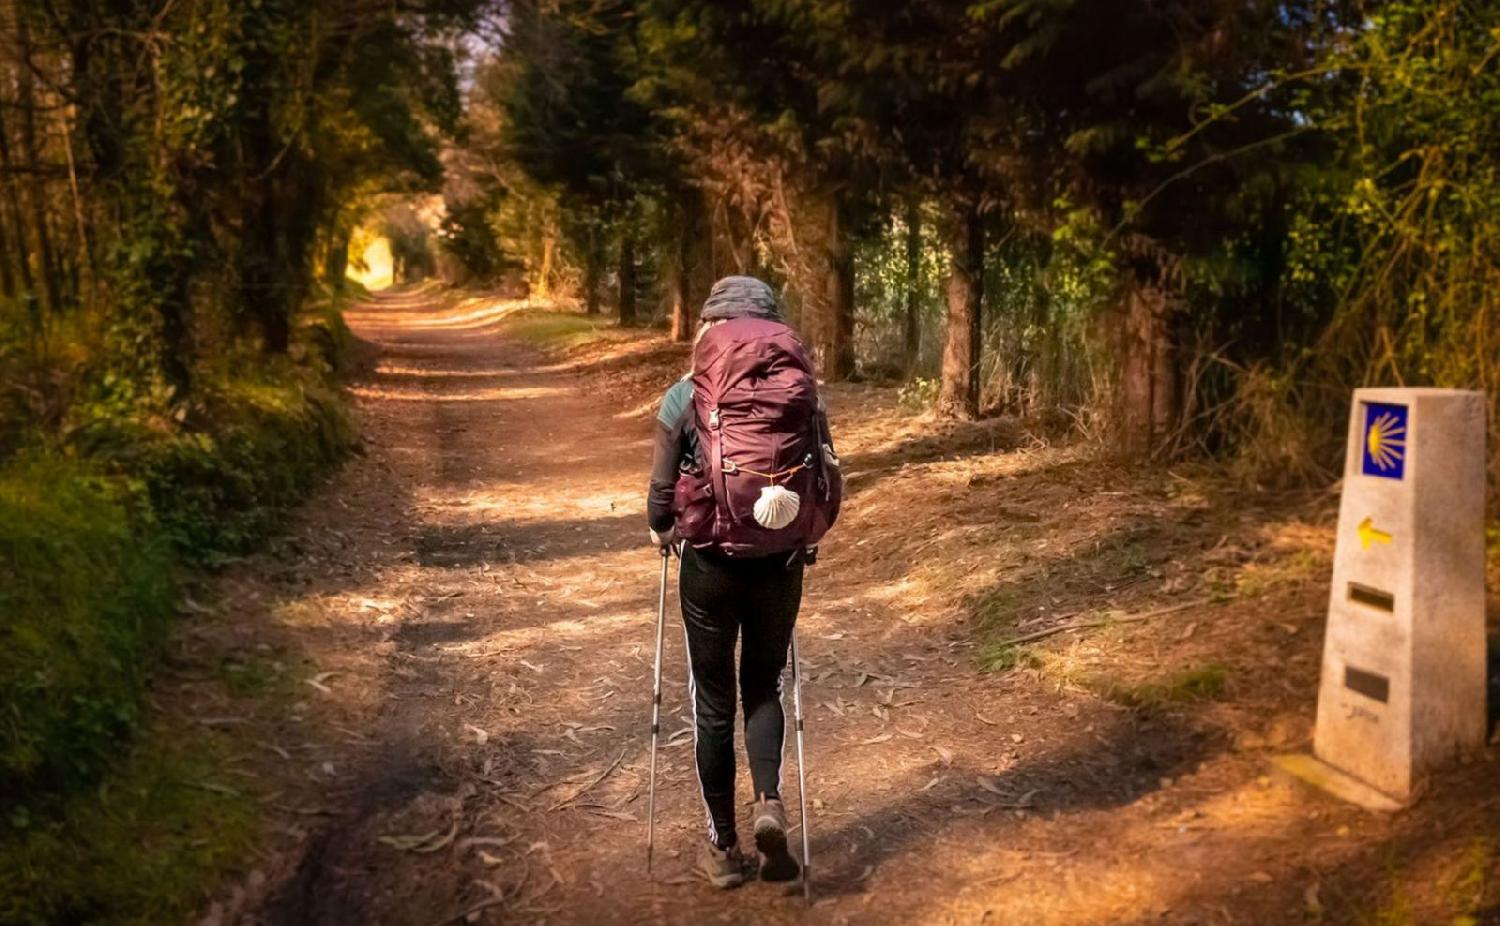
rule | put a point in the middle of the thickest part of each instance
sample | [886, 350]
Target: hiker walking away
[744, 483]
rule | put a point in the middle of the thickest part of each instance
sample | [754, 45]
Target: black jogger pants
[723, 599]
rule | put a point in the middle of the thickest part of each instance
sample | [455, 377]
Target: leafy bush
[139, 848]
[918, 394]
[91, 528]
[217, 490]
[85, 592]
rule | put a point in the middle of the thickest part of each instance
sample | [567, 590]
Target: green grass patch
[254, 676]
[86, 596]
[1472, 883]
[1455, 892]
[1288, 571]
[999, 657]
[556, 329]
[138, 848]
[994, 615]
[995, 612]
[1207, 682]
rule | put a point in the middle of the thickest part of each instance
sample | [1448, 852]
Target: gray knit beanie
[733, 297]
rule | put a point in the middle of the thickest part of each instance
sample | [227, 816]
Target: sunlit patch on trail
[497, 394]
[512, 502]
[387, 368]
[483, 314]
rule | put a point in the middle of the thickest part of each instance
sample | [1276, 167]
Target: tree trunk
[958, 393]
[733, 253]
[1043, 380]
[12, 216]
[677, 298]
[259, 275]
[46, 258]
[911, 340]
[591, 274]
[12, 253]
[717, 250]
[543, 288]
[7, 275]
[261, 289]
[336, 266]
[627, 277]
[1149, 395]
[691, 265]
[836, 328]
[679, 303]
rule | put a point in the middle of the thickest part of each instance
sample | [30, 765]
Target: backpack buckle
[713, 418]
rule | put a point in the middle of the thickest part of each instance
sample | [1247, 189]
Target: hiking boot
[724, 868]
[769, 821]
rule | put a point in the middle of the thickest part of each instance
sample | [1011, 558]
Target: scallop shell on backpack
[777, 507]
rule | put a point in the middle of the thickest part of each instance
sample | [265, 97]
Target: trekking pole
[801, 773]
[661, 619]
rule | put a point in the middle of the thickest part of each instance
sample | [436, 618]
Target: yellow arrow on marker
[1369, 533]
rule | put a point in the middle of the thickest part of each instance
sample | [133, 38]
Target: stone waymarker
[1403, 683]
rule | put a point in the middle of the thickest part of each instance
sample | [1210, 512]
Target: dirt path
[470, 609]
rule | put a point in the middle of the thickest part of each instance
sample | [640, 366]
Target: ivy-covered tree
[197, 157]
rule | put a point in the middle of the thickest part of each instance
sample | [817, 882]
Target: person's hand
[664, 539]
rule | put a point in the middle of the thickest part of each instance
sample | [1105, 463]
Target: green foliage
[918, 394]
[86, 595]
[91, 529]
[137, 849]
[1200, 683]
[882, 282]
[995, 657]
[246, 447]
[573, 134]
[469, 236]
[559, 329]
[1422, 197]
[995, 614]
[410, 239]
[168, 375]
[218, 491]
[213, 150]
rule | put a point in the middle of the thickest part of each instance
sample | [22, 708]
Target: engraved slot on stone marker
[1376, 687]
[1372, 597]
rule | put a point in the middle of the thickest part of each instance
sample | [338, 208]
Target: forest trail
[470, 610]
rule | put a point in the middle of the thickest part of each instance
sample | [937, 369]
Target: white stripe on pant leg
[781, 702]
[713, 832]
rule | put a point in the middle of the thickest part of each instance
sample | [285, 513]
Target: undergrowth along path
[467, 614]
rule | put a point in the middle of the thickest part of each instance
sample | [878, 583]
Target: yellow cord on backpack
[773, 477]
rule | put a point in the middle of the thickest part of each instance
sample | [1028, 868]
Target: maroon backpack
[761, 437]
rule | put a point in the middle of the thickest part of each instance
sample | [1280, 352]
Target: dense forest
[1184, 227]
[1177, 226]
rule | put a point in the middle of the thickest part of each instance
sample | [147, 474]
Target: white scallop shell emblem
[776, 507]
